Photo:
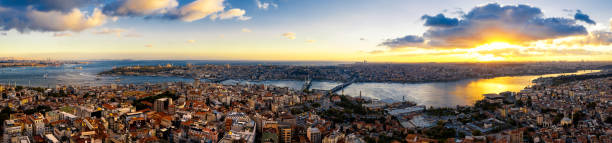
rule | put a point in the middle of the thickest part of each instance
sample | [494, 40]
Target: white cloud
[148, 45]
[199, 9]
[132, 35]
[191, 41]
[289, 35]
[311, 41]
[142, 7]
[610, 24]
[74, 20]
[62, 34]
[169, 9]
[265, 5]
[233, 13]
[246, 30]
[116, 31]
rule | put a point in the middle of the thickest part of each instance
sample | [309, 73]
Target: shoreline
[315, 80]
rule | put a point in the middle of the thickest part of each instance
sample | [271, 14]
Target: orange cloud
[515, 24]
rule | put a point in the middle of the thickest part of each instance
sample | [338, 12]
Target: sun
[494, 45]
[489, 58]
[483, 53]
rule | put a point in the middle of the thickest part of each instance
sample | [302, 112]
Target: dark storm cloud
[46, 5]
[509, 23]
[409, 40]
[583, 17]
[440, 21]
[25, 20]
[48, 15]
[12, 19]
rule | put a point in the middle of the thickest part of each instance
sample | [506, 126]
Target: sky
[308, 30]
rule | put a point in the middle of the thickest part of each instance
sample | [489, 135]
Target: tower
[360, 94]
[196, 82]
[314, 135]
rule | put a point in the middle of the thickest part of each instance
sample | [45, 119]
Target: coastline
[357, 81]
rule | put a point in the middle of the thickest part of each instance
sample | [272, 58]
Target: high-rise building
[516, 136]
[314, 135]
[12, 128]
[285, 133]
[540, 119]
[270, 132]
[84, 111]
[39, 124]
[162, 104]
[228, 123]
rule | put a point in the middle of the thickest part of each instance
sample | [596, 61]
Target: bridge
[341, 86]
[307, 84]
[217, 80]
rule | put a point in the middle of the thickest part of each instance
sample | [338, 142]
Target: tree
[592, 105]
[578, 116]
[440, 132]
[609, 120]
[316, 105]
[18, 88]
[484, 105]
[5, 114]
[38, 109]
[476, 133]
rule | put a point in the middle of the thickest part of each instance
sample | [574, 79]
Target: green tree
[476, 133]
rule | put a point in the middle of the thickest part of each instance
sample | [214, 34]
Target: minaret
[360, 94]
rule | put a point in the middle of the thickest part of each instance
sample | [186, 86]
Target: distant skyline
[308, 30]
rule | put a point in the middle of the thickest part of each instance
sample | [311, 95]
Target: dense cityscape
[305, 71]
[562, 109]
[359, 72]
[17, 62]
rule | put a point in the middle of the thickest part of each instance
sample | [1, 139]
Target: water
[86, 74]
[438, 94]
[445, 94]
[292, 84]
[79, 74]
